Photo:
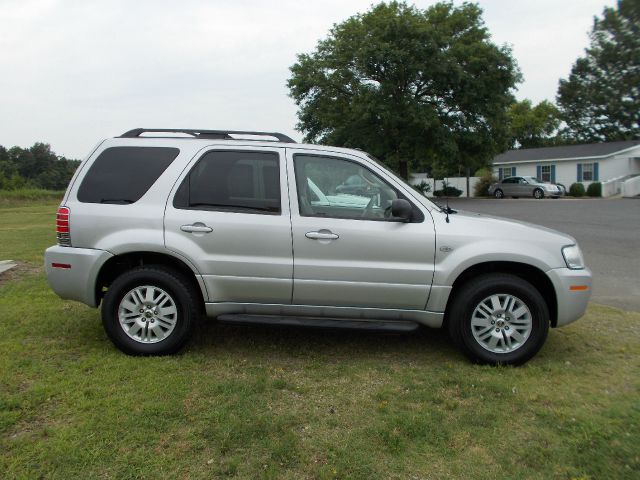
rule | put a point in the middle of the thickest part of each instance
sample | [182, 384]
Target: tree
[600, 101]
[37, 167]
[533, 126]
[413, 87]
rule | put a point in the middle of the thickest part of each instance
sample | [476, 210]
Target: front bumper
[72, 272]
[573, 291]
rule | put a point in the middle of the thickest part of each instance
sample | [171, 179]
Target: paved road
[608, 232]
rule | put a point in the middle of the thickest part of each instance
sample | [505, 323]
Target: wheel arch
[530, 273]
[121, 263]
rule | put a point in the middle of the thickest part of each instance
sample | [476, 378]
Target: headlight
[573, 257]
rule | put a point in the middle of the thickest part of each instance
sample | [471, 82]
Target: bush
[447, 191]
[481, 189]
[423, 187]
[594, 189]
[576, 190]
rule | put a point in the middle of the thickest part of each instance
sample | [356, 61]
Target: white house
[612, 163]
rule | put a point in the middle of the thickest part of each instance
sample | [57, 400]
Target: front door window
[335, 188]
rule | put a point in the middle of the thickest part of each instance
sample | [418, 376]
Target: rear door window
[234, 181]
[122, 175]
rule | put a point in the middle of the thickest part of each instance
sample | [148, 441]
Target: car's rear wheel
[538, 193]
[498, 193]
[149, 311]
[498, 319]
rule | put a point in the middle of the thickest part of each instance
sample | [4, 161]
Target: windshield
[533, 180]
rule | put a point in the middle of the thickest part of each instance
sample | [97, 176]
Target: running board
[319, 322]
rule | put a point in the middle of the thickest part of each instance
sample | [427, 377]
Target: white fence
[631, 187]
[611, 187]
[626, 185]
[459, 182]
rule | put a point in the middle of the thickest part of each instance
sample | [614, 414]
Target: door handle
[322, 235]
[196, 228]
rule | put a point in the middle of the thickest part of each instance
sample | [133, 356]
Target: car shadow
[298, 341]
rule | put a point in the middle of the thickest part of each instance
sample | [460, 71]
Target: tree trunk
[403, 168]
[468, 173]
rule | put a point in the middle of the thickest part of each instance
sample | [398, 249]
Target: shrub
[423, 187]
[576, 190]
[481, 189]
[594, 189]
[448, 191]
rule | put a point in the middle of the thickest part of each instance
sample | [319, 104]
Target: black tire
[180, 292]
[472, 293]
[538, 193]
[498, 193]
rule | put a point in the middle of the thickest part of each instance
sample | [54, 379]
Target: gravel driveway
[608, 232]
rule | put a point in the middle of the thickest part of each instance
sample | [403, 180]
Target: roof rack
[208, 134]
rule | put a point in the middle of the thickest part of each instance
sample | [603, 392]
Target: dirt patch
[21, 270]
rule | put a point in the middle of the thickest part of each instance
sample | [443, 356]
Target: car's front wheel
[149, 311]
[498, 319]
[538, 193]
[498, 193]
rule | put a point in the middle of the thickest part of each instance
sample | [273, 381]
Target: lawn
[291, 403]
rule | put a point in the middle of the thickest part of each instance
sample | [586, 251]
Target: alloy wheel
[147, 314]
[501, 323]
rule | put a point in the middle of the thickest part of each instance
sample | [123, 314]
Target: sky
[73, 72]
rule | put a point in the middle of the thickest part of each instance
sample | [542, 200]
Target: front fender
[450, 264]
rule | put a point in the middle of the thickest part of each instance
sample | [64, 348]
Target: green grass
[288, 403]
[24, 196]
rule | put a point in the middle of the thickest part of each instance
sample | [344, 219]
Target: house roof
[566, 152]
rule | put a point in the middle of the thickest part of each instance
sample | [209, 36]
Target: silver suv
[161, 226]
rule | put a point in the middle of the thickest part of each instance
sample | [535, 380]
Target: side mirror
[402, 209]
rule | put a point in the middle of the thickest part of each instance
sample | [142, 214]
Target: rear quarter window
[122, 175]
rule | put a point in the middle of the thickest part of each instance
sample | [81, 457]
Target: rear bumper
[72, 272]
[573, 291]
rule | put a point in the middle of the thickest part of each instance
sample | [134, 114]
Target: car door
[229, 215]
[347, 251]
[523, 188]
[508, 186]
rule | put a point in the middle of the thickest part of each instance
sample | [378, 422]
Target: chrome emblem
[446, 249]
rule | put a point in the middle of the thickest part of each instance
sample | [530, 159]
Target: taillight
[63, 232]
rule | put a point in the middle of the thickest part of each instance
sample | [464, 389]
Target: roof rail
[209, 134]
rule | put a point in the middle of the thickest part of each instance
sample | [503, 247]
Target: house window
[506, 172]
[587, 172]
[545, 173]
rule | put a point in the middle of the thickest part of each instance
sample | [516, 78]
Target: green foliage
[35, 167]
[423, 187]
[481, 189]
[447, 191]
[600, 101]
[594, 189]
[413, 87]
[533, 126]
[576, 190]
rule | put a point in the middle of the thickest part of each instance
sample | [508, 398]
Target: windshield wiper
[122, 201]
[447, 209]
